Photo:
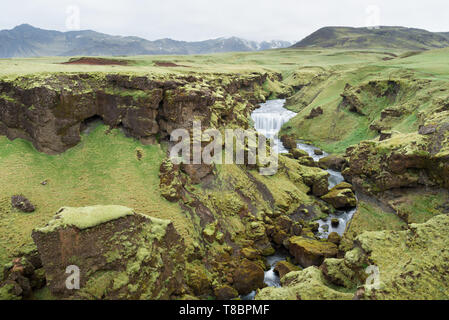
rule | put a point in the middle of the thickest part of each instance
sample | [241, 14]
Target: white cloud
[204, 19]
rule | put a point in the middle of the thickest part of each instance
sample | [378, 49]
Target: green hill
[367, 38]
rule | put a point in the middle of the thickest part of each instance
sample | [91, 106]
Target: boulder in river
[298, 153]
[248, 277]
[332, 162]
[311, 252]
[284, 267]
[335, 222]
[289, 142]
[334, 237]
[341, 197]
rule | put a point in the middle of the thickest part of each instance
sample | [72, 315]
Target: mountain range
[28, 41]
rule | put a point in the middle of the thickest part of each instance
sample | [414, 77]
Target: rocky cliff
[119, 254]
[51, 110]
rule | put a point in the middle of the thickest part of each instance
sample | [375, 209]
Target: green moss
[411, 263]
[307, 284]
[86, 217]
[120, 281]
[6, 292]
[369, 217]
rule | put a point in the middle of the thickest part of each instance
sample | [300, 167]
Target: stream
[268, 120]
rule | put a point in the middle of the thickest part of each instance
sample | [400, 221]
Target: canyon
[362, 179]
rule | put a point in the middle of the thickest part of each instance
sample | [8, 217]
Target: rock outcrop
[51, 111]
[341, 196]
[21, 203]
[119, 254]
[248, 277]
[284, 267]
[310, 252]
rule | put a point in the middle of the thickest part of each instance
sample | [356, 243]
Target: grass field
[424, 77]
[102, 169]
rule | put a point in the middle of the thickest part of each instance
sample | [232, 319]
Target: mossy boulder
[332, 162]
[339, 274]
[298, 153]
[225, 293]
[316, 178]
[120, 254]
[198, 280]
[284, 267]
[250, 253]
[334, 237]
[289, 142]
[340, 198]
[248, 276]
[307, 284]
[310, 252]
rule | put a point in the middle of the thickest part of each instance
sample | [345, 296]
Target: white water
[268, 120]
[335, 177]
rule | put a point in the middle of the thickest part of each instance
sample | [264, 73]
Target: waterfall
[269, 119]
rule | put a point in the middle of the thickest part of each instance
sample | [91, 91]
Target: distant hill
[28, 41]
[383, 37]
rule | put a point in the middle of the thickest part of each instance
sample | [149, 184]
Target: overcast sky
[193, 20]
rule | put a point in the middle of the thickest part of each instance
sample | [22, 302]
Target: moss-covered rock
[340, 198]
[311, 252]
[332, 162]
[308, 284]
[225, 293]
[298, 153]
[250, 253]
[120, 254]
[334, 237]
[198, 280]
[284, 267]
[248, 276]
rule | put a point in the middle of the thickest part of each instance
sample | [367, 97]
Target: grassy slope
[338, 128]
[382, 37]
[102, 169]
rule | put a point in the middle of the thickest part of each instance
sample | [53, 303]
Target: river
[268, 120]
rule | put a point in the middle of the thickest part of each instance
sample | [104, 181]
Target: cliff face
[119, 254]
[50, 110]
